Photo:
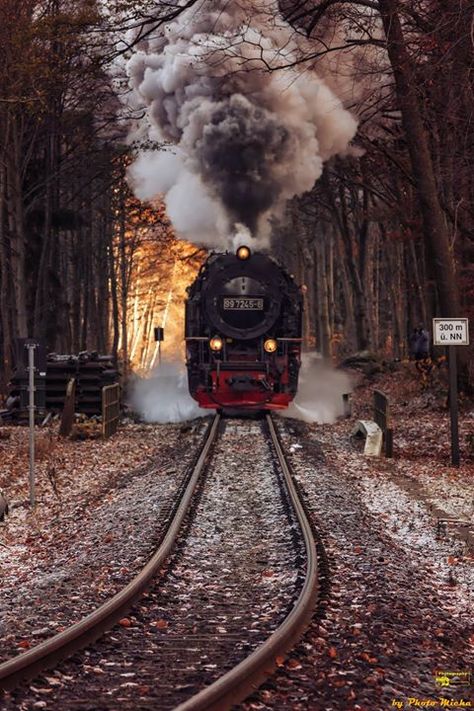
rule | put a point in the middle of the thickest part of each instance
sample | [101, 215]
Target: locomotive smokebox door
[159, 334]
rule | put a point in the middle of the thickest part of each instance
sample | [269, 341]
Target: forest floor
[397, 618]
[421, 463]
[100, 509]
[400, 605]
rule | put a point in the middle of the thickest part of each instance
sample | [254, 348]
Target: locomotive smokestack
[247, 138]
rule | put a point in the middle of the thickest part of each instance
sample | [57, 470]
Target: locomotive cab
[243, 333]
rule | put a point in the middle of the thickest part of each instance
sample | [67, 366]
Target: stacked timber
[90, 371]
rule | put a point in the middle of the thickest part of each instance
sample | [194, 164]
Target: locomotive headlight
[243, 253]
[216, 343]
[270, 345]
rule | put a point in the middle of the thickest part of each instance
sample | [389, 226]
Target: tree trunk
[323, 290]
[435, 230]
[346, 315]
[123, 289]
[4, 284]
[17, 234]
[114, 296]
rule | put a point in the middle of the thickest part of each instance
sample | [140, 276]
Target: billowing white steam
[320, 391]
[242, 140]
[164, 397]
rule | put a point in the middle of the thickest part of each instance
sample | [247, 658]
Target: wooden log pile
[90, 370]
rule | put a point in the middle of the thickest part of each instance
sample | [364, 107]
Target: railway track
[237, 592]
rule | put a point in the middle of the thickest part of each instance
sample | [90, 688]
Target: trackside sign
[450, 331]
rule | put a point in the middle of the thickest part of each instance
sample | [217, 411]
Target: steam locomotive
[243, 329]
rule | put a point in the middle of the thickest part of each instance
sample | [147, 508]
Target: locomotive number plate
[243, 303]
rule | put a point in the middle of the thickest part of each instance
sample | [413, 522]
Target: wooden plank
[67, 417]
[382, 418]
[110, 409]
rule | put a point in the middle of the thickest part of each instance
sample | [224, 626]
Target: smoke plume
[240, 139]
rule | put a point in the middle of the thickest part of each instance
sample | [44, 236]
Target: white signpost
[452, 332]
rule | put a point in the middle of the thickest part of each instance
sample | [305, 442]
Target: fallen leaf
[125, 622]
[367, 658]
[293, 664]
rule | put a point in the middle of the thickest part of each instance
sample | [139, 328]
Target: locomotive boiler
[243, 330]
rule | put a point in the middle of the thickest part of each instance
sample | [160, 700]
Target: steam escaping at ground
[164, 397]
[320, 391]
[245, 139]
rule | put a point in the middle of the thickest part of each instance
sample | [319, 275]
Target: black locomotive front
[243, 333]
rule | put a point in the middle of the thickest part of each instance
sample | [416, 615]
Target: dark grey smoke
[246, 139]
[237, 153]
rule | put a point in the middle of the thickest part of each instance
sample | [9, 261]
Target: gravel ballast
[77, 549]
[400, 602]
[232, 580]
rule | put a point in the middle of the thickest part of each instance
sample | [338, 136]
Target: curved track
[244, 679]
[236, 675]
[76, 637]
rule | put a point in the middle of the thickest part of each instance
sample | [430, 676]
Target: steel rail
[77, 636]
[246, 677]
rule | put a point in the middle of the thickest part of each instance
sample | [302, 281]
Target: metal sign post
[453, 405]
[452, 332]
[159, 338]
[31, 346]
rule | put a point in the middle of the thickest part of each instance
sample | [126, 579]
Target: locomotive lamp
[216, 343]
[243, 253]
[270, 345]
